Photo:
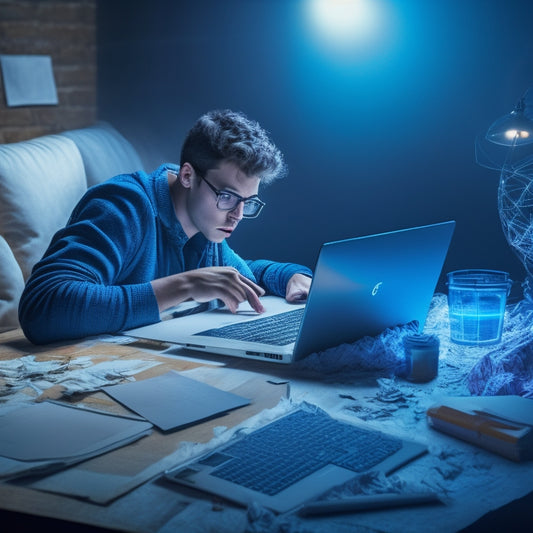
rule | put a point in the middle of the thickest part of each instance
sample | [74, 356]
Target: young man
[139, 244]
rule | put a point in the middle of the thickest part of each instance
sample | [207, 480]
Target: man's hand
[298, 288]
[205, 284]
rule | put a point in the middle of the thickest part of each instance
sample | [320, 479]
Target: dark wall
[380, 139]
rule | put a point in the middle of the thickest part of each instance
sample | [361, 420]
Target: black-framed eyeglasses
[226, 201]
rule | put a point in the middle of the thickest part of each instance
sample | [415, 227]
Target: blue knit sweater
[95, 276]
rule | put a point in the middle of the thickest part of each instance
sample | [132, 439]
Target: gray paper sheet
[48, 436]
[172, 401]
[28, 80]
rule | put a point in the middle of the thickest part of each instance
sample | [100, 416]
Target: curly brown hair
[225, 135]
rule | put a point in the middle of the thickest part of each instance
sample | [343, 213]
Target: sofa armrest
[11, 287]
[41, 180]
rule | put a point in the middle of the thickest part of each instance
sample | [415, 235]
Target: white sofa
[41, 180]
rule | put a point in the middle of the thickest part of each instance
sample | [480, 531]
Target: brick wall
[66, 31]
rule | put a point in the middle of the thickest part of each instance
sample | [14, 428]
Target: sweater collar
[165, 206]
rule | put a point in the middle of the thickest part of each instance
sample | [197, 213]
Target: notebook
[361, 286]
[293, 459]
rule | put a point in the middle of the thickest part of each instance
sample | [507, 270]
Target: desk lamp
[514, 132]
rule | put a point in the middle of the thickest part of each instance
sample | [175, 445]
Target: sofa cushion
[11, 286]
[105, 152]
[41, 180]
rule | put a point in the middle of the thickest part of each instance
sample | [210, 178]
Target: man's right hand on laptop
[205, 284]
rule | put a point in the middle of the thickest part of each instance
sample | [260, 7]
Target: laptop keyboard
[287, 450]
[277, 330]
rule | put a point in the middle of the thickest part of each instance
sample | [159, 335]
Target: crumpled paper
[508, 367]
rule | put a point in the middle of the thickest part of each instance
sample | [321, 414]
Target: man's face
[202, 210]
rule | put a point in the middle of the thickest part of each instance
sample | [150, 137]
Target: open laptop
[360, 287]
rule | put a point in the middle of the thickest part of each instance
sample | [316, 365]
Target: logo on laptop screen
[376, 288]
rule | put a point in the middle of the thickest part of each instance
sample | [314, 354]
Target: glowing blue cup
[476, 302]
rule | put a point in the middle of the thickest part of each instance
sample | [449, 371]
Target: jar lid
[420, 340]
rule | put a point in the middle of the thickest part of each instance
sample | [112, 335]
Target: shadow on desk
[511, 518]
[24, 523]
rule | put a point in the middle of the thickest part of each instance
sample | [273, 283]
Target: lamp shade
[513, 129]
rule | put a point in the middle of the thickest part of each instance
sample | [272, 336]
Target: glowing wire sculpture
[515, 204]
[513, 133]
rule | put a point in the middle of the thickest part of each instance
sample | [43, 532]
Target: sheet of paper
[173, 401]
[28, 80]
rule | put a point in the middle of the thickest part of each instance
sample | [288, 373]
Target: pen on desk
[367, 503]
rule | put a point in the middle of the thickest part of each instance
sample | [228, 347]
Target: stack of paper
[501, 424]
[49, 436]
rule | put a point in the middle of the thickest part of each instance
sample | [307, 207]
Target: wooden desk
[473, 481]
[145, 506]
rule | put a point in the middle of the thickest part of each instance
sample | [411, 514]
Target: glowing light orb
[514, 134]
[345, 22]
